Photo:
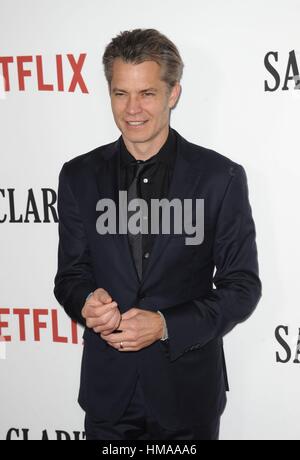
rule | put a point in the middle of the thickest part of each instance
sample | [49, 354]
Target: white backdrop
[223, 106]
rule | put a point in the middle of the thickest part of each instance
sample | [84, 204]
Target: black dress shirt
[154, 182]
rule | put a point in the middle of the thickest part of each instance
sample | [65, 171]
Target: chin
[136, 137]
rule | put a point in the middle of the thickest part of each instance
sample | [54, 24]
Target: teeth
[136, 123]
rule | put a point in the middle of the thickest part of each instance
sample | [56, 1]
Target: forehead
[146, 73]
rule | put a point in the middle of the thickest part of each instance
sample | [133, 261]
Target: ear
[174, 95]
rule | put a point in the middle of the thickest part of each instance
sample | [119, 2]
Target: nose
[133, 105]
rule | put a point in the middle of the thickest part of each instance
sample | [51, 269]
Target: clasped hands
[136, 328]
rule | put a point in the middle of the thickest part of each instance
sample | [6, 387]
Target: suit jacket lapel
[184, 181]
[108, 185]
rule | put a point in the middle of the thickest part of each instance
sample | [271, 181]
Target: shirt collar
[166, 154]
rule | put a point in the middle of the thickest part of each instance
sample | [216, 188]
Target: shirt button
[145, 180]
[146, 255]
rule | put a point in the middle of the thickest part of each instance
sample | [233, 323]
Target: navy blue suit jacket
[203, 290]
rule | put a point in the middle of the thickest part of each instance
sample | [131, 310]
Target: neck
[145, 150]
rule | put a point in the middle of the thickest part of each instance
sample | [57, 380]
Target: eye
[149, 94]
[119, 94]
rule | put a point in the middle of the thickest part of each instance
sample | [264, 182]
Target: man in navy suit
[155, 304]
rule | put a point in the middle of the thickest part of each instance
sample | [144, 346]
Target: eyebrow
[142, 91]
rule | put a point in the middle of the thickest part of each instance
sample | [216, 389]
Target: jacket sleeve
[74, 279]
[194, 323]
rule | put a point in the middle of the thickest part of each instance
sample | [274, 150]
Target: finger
[127, 336]
[95, 311]
[105, 328]
[114, 337]
[111, 325]
[107, 331]
[103, 296]
[100, 321]
[100, 305]
[110, 316]
[127, 346]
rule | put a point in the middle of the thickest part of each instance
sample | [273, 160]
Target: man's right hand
[101, 313]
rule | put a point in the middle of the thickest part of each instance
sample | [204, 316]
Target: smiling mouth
[136, 123]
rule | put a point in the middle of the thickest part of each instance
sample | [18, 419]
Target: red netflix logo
[26, 324]
[33, 67]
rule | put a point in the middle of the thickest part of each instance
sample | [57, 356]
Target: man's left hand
[138, 329]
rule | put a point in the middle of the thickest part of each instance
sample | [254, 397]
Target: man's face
[140, 100]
